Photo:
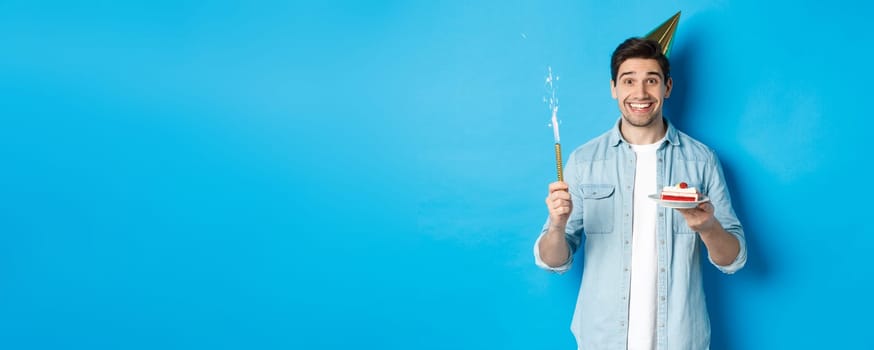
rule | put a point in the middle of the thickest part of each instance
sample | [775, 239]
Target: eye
[652, 81]
[629, 82]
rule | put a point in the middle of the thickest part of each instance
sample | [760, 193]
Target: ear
[668, 86]
[613, 88]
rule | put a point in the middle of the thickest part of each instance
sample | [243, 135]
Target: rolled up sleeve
[540, 263]
[724, 212]
[738, 262]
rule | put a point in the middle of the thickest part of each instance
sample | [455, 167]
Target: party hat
[664, 33]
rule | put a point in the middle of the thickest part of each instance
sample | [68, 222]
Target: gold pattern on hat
[664, 33]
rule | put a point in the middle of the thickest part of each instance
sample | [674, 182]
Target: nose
[639, 91]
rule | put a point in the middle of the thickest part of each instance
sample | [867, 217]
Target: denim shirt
[600, 176]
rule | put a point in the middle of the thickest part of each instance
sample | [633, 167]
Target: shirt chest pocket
[598, 206]
[680, 225]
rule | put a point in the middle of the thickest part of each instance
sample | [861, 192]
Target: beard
[641, 122]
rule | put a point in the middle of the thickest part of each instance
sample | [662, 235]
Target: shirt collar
[670, 136]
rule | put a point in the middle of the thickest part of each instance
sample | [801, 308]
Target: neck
[643, 135]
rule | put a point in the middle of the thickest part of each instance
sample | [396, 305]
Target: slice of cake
[681, 192]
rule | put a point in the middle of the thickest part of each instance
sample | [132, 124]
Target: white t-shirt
[644, 253]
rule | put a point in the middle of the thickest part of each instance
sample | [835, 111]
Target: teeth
[640, 105]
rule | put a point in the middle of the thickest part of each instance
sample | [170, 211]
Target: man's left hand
[700, 219]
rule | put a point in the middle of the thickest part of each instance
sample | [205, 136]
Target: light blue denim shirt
[600, 175]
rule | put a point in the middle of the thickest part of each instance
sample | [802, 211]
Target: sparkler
[553, 108]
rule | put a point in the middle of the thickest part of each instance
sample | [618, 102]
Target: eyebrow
[647, 74]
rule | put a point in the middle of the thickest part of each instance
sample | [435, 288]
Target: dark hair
[639, 48]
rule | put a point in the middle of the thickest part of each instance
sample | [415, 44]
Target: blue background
[339, 174]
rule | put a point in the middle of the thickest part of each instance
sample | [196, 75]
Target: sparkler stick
[557, 144]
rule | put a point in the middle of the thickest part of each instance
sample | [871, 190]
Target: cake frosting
[680, 192]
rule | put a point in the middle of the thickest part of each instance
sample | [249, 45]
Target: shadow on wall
[683, 66]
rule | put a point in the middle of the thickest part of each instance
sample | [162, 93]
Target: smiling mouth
[640, 106]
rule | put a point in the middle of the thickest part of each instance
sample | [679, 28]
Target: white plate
[678, 204]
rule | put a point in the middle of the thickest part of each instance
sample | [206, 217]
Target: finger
[560, 204]
[552, 201]
[562, 210]
[558, 186]
[689, 212]
[558, 195]
[561, 195]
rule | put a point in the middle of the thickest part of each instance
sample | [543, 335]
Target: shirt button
[626, 269]
[661, 214]
[662, 241]
[663, 298]
[626, 241]
[663, 269]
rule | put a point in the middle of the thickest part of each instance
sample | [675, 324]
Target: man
[641, 285]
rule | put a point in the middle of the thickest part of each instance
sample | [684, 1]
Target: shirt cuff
[540, 263]
[738, 262]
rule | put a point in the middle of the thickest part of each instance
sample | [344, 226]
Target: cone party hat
[664, 33]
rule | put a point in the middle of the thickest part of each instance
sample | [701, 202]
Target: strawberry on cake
[681, 192]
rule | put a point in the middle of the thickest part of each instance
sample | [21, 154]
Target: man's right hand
[559, 203]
